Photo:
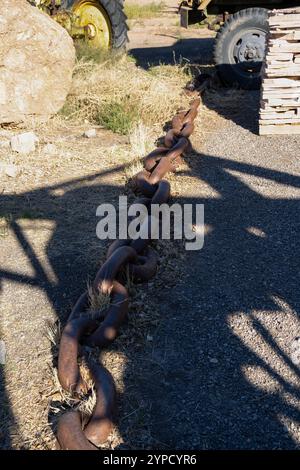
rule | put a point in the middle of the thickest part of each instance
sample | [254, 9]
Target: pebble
[9, 170]
[90, 133]
[24, 143]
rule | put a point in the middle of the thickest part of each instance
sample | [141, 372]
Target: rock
[9, 170]
[90, 133]
[50, 149]
[37, 57]
[24, 143]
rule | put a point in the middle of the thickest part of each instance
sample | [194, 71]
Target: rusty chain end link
[100, 329]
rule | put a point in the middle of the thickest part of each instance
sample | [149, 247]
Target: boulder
[37, 57]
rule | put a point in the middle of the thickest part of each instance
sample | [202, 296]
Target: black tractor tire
[115, 12]
[243, 34]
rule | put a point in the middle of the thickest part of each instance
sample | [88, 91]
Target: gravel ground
[219, 373]
[161, 40]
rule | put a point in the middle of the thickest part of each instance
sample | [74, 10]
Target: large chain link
[101, 328]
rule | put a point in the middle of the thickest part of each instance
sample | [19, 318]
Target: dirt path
[161, 40]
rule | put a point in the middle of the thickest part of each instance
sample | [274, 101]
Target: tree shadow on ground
[188, 387]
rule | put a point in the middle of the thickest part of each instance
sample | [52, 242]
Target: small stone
[2, 352]
[50, 149]
[24, 143]
[11, 171]
[90, 133]
[149, 338]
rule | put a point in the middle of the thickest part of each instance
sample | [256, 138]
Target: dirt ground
[162, 40]
[205, 361]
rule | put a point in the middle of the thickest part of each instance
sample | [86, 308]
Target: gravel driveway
[218, 373]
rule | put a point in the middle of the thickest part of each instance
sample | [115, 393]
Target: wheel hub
[93, 18]
[249, 51]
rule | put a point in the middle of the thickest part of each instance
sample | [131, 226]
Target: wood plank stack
[280, 98]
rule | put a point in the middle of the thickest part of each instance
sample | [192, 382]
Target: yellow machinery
[101, 23]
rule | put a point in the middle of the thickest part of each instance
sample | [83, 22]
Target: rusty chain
[101, 329]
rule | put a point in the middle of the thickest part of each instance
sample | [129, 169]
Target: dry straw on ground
[136, 11]
[123, 94]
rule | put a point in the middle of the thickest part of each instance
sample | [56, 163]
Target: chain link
[101, 328]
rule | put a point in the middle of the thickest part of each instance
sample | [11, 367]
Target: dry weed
[129, 92]
[97, 300]
[136, 11]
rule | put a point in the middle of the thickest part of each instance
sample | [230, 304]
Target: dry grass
[97, 300]
[131, 170]
[140, 140]
[121, 95]
[136, 11]
[62, 400]
[4, 225]
[53, 332]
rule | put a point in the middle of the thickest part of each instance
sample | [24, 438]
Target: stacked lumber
[280, 98]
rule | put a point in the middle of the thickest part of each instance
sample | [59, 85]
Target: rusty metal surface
[101, 328]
